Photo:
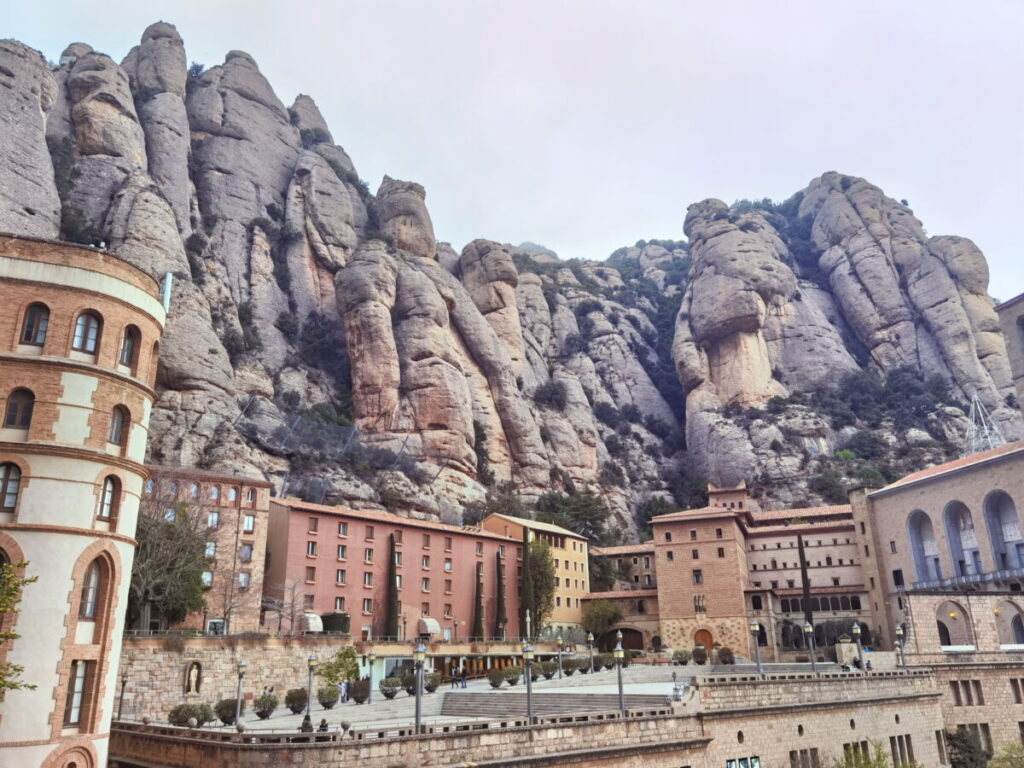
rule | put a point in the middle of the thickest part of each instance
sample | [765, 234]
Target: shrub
[631, 413]
[327, 696]
[551, 394]
[512, 674]
[607, 413]
[288, 324]
[699, 655]
[603, 661]
[726, 656]
[612, 474]
[225, 709]
[569, 666]
[264, 705]
[295, 700]
[432, 681]
[360, 691]
[390, 686]
[496, 677]
[680, 656]
[587, 306]
[409, 683]
[548, 669]
[203, 713]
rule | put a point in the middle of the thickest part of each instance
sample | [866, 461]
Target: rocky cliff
[304, 305]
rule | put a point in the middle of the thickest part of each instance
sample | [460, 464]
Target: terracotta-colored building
[324, 559]
[79, 336]
[233, 511]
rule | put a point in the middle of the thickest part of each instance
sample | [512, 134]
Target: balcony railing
[1006, 574]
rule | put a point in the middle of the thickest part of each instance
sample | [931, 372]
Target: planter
[295, 700]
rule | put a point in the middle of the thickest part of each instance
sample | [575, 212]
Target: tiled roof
[387, 517]
[695, 514]
[621, 593]
[536, 525]
[805, 512]
[624, 549]
[955, 465]
[158, 471]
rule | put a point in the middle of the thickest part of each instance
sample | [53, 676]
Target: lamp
[620, 655]
[590, 647]
[755, 633]
[419, 655]
[528, 668]
[371, 657]
[120, 705]
[238, 694]
[860, 650]
[899, 646]
[310, 666]
[809, 636]
[558, 641]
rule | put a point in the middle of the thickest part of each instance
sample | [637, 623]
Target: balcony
[1007, 574]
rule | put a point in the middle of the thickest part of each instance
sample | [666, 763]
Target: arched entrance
[963, 542]
[1004, 531]
[703, 637]
[953, 624]
[922, 544]
[1009, 623]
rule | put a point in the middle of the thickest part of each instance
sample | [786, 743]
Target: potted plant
[548, 669]
[496, 677]
[512, 674]
[264, 705]
[568, 666]
[360, 691]
[680, 657]
[409, 683]
[181, 714]
[700, 656]
[327, 696]
[295, 700]
[390, 686]
[225, 709]
[431, 682]
[726, 655]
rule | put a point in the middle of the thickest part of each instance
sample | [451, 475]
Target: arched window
[120, 420]
[33, 329]
[110, 498]
[129, 346]
[172, 489]
[855, 603]
[154, 361]
[10, 480]
[963, 543]
[755, 602]
[90, 591]
[193, 490]
[150, 487]
[18, 414]
[87, 333]
[232, 494]
[250, 495]
[922, 544]
[214, 492]
[1004, 531]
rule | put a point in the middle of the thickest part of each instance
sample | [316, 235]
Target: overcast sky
[587, 124]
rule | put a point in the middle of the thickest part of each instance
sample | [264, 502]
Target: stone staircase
[508, 704]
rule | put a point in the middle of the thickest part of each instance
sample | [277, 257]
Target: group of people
[458, 676]
[344, 690]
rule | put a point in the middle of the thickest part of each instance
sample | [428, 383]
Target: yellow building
[572, 571]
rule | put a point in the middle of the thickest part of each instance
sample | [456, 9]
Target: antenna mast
[982, 433]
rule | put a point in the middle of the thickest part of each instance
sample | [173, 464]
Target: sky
[586, 125]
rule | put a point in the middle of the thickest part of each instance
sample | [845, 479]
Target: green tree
[500, 615]
[1010, 755]
[599, 616]
[583, 513]
[391, 618]
[501, 499]
[527, 607]
[965, 750]
[12, 582]
[478, 603]
[344, 665]
[542, 581]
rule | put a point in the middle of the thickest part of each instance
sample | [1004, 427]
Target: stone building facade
[1011, 320]
[79, 341]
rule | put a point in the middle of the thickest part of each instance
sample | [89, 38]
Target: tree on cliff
[12, 580]
[500, 616]
[477, 633]
[542, 582]
[391, 619]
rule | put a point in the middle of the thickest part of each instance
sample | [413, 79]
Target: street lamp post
[755, 633]
[455, 625]
[120, 704]
[528, 666]
[809, 636]
[901, 660]
[860, 650]
[620, 655]
[371, 657]
[238, 693]
[558, 641]
[418, 657]
[310, 666]
[590, 647]
[404, 621]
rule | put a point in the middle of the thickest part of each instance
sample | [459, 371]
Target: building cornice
[77, 365]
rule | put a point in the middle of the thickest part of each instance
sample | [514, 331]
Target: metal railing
[1005, 574]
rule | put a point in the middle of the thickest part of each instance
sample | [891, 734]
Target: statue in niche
[193, 677]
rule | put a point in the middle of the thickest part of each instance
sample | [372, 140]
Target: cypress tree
[500, 619]
[478, 605]
[391, 622]
[526, 603]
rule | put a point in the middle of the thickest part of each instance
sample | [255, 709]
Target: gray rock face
[28, 194]
[403, 217]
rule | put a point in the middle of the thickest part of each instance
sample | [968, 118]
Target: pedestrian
[341, 691]
[323, 725]
[464, 675]
[454, 672]
[307, 725]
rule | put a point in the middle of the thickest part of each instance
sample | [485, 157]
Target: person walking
[464, 676]
[454, 672]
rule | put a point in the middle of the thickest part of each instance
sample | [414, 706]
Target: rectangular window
[954, 688]
[448, 543]
[213, 519]
[835, 581]
[311, 549]
[339, 576]
[245, 553]
[892, 547]
[398, 581]
[342, 552]
[343, 529]
[448, 586]
[718, 533]
[693, 535]
[1015, 687]
[698, 576]
[368, 555]
[369, 533]
[367, 604]
[670, 555]
[647, 562]
[426, 540]
[314, 524]
[425, 585]
[448, 610]
[307, 602]
[480, 550]
[310, 573]
[425, 562]
[398, 537]
[76, 690]
[368, 579]
[695, 554]
[244, 579]
[647, 580]
[339, 603]
[448, 564]
[211, 549]
[249, 523]
[501, 549]
[425, 609]
[398, 558]
[721, 551]
[207, 578]
[668, 536]
[897, 577]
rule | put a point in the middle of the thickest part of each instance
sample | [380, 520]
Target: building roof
[620, 594]
[695, 514]
[388, 517]
[536, 525]
[956, 465]
[159, 470]
[804, 512]
[1010, 302]
[624, 549]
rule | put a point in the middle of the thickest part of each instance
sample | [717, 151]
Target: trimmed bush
[512, 674]
[432, 681]
[295, 700]
[603, 661]
[225, 709]
[409, 683]
[496, 677]
[547, 668]
[390, 686]
[680, 657]
[264, 705]
[203, 713]
[327, 696]
[568, 666]
[360, 691]
[700, 656]
[726, 656]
